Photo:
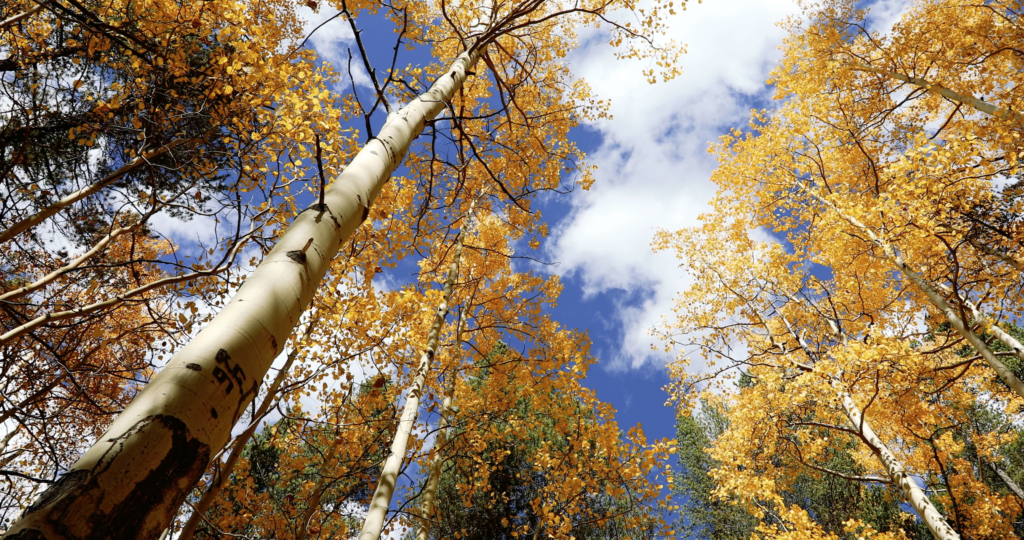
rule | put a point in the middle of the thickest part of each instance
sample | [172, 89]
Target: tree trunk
[1014, 488]
[23, 15]
[912, 493]
[990, 325]
[392, 466]
[42, 215]
[133, 479]
[937, 300]
[970, 101]
[436, 459]
[221, 478]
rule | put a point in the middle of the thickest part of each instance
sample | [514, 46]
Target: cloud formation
[653, 166]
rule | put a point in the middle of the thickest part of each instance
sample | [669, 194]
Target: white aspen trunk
[45, 213]
[221, 479]
[990, 325]
[1006, 479]
[436, 459]
[912, 493]
[130, 483]
[934, 297]
[970, 101]
[381, 500]
[23, 15]
[54, 316]
[48, 278]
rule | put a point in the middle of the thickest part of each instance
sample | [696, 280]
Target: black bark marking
[273, 343]
[366, 213]
[213, 412]
[297, 256]
[222, 377]
[194, 367]
[153, 500]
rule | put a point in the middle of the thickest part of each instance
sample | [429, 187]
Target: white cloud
[653, 167]
[331, 37]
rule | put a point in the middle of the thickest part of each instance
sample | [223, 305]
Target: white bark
[935, 88]
[436, 458]
[220, 479]
[990, 325]
[23, 15]
[133, 479]
[381, 499]
[912, 493]
[68, 200]
[1006, 480]
[934, 297]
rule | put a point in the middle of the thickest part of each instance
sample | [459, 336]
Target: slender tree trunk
[42, 215]
[990, 325]
[54, 316]
[935, 88]
[221, 478]
[934, 297]
[436, 458]
[133, 479]
[389, 474]
[1006, 479]
[912, 493]
[23, 15]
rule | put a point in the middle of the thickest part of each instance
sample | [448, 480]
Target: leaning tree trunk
[220, 478]
[901, 264]
[393, 464]
[912, 493]
[935, 88]
[130, 483]
[436, 458]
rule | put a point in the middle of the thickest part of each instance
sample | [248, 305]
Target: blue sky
[653, 173]
[653, 170]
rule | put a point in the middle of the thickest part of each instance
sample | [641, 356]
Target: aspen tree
[231, 354]
[242, 439]
[437, 458]
[774, 311]
[134, 477]
[381, 499]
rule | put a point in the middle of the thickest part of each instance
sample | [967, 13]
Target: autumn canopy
[357, 337]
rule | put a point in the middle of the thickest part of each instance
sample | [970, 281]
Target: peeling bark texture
[912, 493]
[233, 352]
[381, 499]
[933, 296]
